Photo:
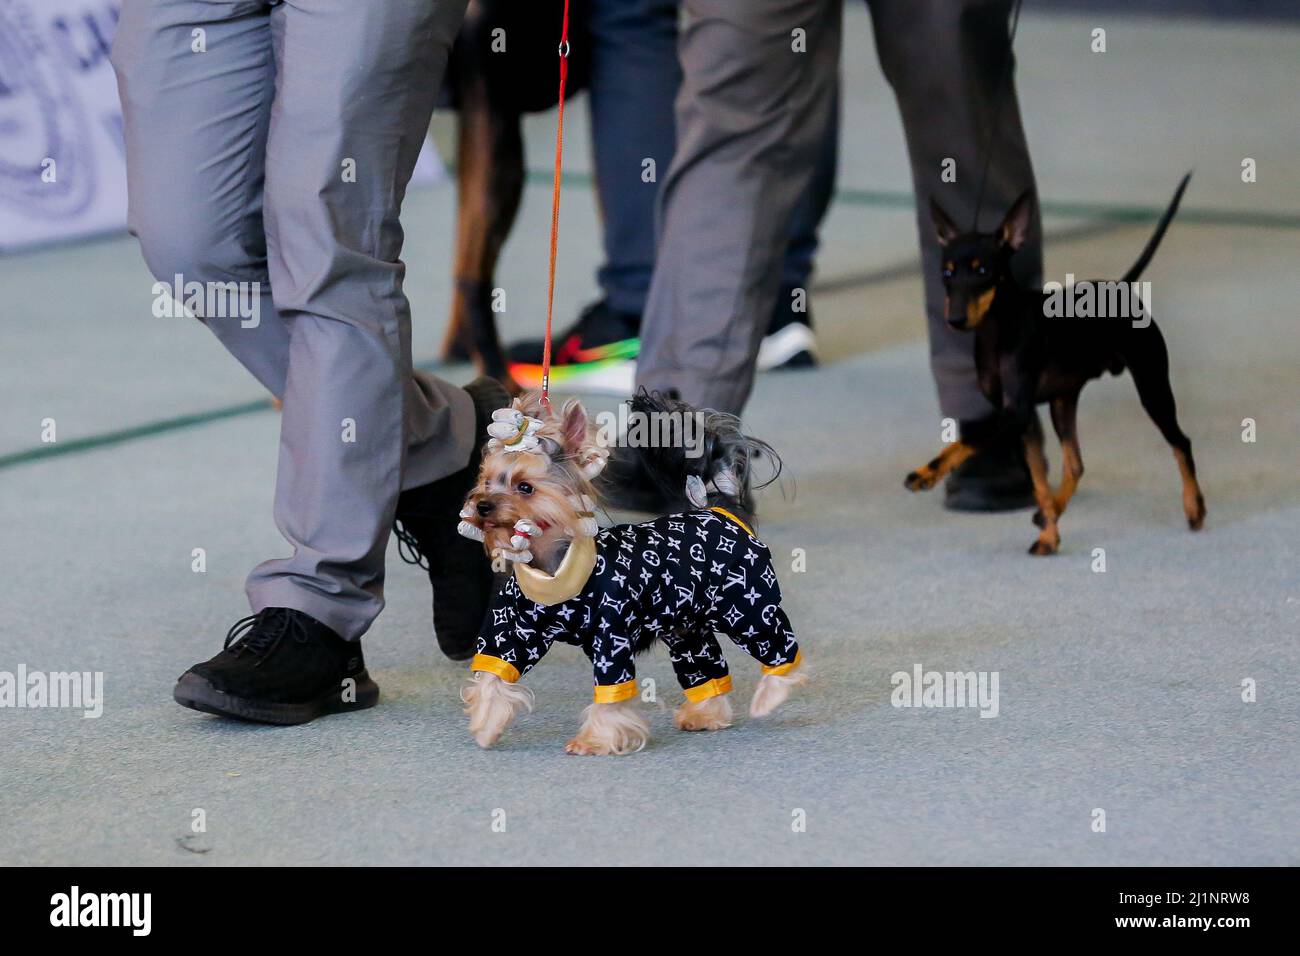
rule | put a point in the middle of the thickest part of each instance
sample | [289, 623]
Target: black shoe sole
[800, 360]
[196, 693]
[982, 501]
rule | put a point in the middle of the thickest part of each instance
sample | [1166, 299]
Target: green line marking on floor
[1108, 212]
[120, 436]
[148, 429]
[1097, 212]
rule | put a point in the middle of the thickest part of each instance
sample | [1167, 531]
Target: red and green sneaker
[597, 354]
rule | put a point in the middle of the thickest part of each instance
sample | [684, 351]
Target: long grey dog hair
[725, 470]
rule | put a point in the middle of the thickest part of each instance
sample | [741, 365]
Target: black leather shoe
[994, 480]
[280, 666]
[601, 334]
[459, 569]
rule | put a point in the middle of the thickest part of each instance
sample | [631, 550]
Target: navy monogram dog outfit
[677, 579]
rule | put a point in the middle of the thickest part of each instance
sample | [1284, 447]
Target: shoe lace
[408, 546]
[260, 634]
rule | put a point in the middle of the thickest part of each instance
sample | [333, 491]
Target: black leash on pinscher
[1004, 91]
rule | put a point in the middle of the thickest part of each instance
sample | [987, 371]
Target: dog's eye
[947, 270]
[982, 270]
[525, 488]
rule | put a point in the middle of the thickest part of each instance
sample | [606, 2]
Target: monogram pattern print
[677, 579]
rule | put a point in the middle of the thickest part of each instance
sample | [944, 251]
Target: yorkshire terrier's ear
[1015, 226]
[573, 427]
[944, 227]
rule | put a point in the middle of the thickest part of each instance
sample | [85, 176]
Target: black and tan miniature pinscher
[1028, 353]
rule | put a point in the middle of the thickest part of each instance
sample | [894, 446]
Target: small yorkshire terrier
[613, 592]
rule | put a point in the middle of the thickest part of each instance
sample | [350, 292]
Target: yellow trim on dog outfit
[784, 668]
[613, 693]
[495, 665]
[710, 688]
[724, 511]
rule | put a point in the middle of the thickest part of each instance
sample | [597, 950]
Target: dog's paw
[582, 746]
[616, 729]
[1196, 515]
[1039, 520]
[773, 690]
[711, 714]
[922, 480]
[1041, 548]
[491, 705]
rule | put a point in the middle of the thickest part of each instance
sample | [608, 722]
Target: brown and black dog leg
[1149, 364]
[1049, 539]
[490, 179]
[1065, 421]
[928, 475]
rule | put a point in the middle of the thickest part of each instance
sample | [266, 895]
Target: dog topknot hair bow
[512, 430]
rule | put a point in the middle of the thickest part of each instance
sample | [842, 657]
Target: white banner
[62, 169]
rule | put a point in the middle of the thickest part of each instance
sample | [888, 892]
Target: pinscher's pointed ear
[944, 227]
[1015, 226]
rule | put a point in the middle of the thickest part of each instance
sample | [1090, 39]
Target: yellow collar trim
[569, 578]
[724, 511]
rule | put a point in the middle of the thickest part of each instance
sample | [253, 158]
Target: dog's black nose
[485, 507]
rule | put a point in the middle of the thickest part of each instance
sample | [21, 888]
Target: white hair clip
[593, 463]
[513, 430]
[467, 530]
[725, 482]
[696, 493]
[519, 542]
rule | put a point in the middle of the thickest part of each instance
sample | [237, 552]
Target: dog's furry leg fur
[772, 691]
[489, 185]
[492, 705]
[610, 729]
[1049, 539]
[713, 713]
[930, 474]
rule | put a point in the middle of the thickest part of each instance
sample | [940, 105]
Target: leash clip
[564, 49]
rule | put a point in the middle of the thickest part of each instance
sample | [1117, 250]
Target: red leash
[555, 211]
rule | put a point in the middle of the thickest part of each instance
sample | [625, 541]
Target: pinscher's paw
[1041, 548]
[922, 480]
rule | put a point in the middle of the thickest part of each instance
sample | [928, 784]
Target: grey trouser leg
[634, 77]
[733, 176]
[945, 60]
[239, 169]
[751, 117]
